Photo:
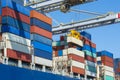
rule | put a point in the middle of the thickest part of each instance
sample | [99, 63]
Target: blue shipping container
[15, 6]
[60, 52]
[42, 46]
[85, 34]
[40, 24]
[89, 48]
[7, 20]
[105, 53]
[39, 38]
[11, 72]
[43, 54]
[16, 31]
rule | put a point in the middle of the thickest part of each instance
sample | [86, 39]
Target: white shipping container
[15, 38]
[78, 64]
[73, 51]
[91, 73]
[107, 68]
[42, 61]
[90, 63]
[109, 73]
[17, 46]
[98, 58]
[75, 41]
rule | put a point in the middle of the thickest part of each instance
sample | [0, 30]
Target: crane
[89, 23]
[52, 5]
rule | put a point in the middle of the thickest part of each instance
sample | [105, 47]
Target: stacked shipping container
[117, 68]
[41, 38]
[82, 53]
[15, 30]
[105, 59]
[89, 49]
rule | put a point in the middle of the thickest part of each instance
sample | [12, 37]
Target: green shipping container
[106, 77]
[90, 54]
[59, 43]
[91, 69]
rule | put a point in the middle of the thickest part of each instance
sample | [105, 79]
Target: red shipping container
[108, 63]
[118, 70]
[12, 13]
[58, 47]
[76, 58]
[78, 70]
[62, 38]
[35, 14]
[118, 15]
[18, 55]
[106, 58]
[40, 31]
[89, 58]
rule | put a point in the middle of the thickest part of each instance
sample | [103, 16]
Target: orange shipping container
[40, 31]
[108, 63]
[35, 14]
[89, 58]
[78, 70]
[76, 58]
[106, 58]
[18, 55]
[118, 70]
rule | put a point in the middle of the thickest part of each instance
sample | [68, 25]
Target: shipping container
[106, 58]
[78, 70]
[91, 68]
[38, 23]
[42, 46]
[35, 14]
[43, 54]
[75, 41]
[88, 42]
[89, 58]
[43, 61]
[89, 48]
[86, 34]
[60, 52]
[89, 63]
[17, 15]
[106, 63]
[18, 55]
[90, 53]
[59, 43]
[15, 38]
[73, 51]
[40, 31]
[107, 68]
[76, 58]
[14, 30]
[18, 47]
[58, 47]
[42, 39]
[106, 77]
[77, 64]
[15, 6]
[109, 73]
[7, 20]
[105, 53]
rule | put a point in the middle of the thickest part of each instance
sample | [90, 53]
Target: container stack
[66, 49]
[106, 65]
[89, 49]
[41, 39]
[80, 51]
[117, 68]
[15, 31]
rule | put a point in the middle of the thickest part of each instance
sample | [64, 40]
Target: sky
[105, 37]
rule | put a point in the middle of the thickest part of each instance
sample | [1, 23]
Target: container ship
[27, 51]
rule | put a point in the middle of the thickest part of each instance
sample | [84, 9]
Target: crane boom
[52, 5]
[86, 24]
